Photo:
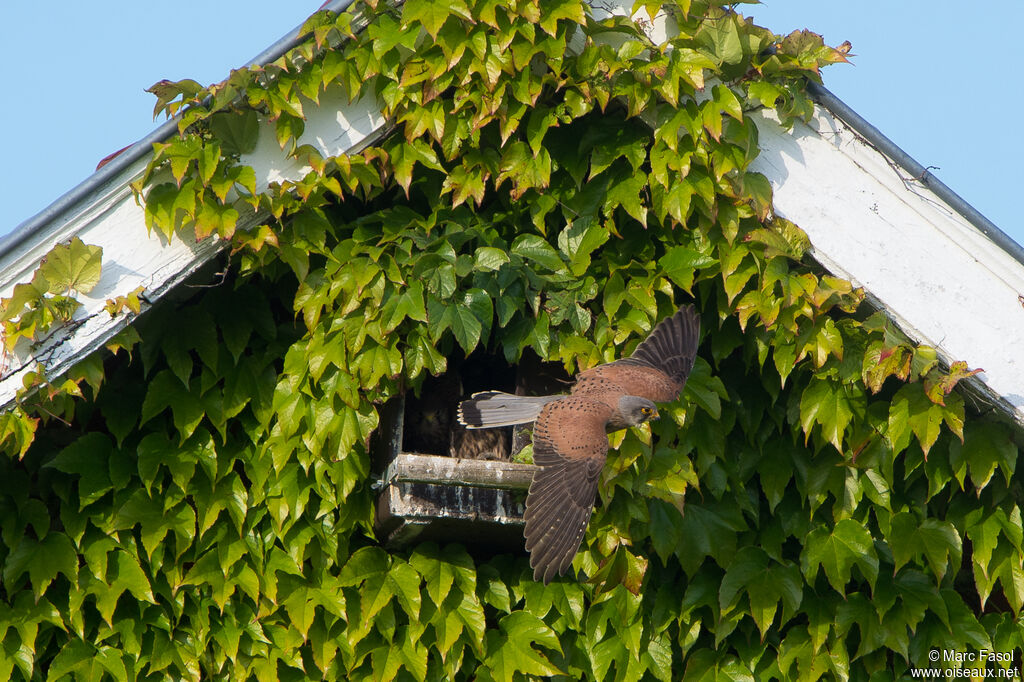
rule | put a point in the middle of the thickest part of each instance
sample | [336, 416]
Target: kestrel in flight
[570, 441]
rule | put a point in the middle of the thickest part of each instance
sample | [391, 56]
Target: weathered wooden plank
[415, 468]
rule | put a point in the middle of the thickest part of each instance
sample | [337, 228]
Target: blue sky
[937, 77]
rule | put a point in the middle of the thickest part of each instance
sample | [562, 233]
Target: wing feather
[570, 446]
[657, 369]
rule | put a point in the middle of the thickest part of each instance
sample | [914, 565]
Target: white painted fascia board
[111, 218]
[132, 257]
[943, 281]
[938, 276]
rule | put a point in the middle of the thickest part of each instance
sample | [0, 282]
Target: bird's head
[636, 410]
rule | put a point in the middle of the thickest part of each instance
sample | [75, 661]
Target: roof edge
[919, 173]
[31, 226]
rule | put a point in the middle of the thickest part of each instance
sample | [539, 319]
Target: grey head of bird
[636, 410]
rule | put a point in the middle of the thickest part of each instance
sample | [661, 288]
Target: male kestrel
[570, 441]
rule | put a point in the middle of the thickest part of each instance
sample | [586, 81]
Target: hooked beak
[655, 415]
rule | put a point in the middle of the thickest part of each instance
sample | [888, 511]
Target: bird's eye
[645, 410]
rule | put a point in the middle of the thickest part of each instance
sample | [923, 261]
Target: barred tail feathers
[491, 409]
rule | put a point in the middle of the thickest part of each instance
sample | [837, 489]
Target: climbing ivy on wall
[824, 501]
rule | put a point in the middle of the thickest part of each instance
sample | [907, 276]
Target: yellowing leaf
[74, 266]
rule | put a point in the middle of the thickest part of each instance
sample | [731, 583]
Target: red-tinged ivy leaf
[837, 551]
[72, 266]
[881, 361]
[130, 302]
[166, 91]
[937, 388]
[255, 240]
[215, 219]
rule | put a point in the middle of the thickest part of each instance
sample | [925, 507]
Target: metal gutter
[32, 226]
[918, 172]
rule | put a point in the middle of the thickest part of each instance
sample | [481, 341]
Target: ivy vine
[822, 503]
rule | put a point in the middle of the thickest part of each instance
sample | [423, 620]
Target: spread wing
[658, 368]
[570, 446]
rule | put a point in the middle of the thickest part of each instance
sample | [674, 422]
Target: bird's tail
[490, 409]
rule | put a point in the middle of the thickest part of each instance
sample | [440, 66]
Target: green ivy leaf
[489, 259]
[87, 458]
[837, 551]
[437, 573]
[432, 15]
[828, 405]
[52, 556]
[534, 248]
[511, 650]
[74, 266]
[166, 391]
